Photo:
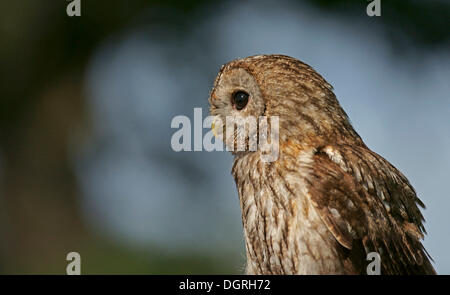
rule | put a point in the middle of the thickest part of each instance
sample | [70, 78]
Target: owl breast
[283, 232]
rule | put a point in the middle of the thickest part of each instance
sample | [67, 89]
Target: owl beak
[213, 129]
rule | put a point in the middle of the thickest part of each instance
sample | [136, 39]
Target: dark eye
[240, 99]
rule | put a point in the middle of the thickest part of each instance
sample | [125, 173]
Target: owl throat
[283, 233]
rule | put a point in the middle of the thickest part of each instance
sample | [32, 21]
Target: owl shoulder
[364, 200]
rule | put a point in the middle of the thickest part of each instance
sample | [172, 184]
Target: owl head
[282, 87]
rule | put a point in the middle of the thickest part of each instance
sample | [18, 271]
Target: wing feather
[366, 202]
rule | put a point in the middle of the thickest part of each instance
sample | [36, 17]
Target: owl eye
[240, 99]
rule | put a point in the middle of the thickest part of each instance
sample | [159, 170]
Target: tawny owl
[327, 200]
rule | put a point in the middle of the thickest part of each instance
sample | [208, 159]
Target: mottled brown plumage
[328, 200]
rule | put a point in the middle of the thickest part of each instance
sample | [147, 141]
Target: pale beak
[213, 129]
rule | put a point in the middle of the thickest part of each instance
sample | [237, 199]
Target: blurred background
[87, 101]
